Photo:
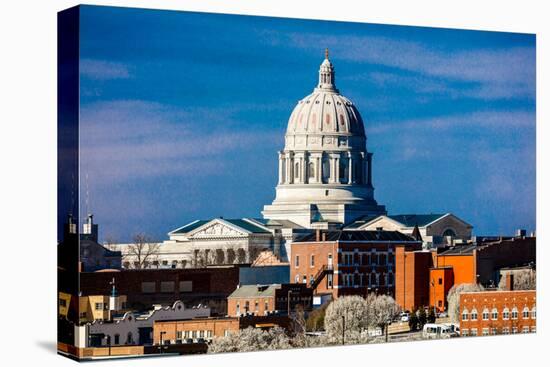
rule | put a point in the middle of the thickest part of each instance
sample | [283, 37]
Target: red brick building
[498, 312]
[424, 278]
[143, 288]
[348, 262]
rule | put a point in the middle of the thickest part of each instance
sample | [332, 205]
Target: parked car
[404, 316]
[439, 331]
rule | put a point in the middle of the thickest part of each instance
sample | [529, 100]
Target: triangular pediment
[217, 228]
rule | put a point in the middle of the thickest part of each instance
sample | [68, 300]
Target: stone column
[350, 168]
[363, 168]
[334, 171]
[281, 168]
[305, 164]
[369, 174]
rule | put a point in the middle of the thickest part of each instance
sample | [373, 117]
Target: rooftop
[246, 291]
[371, 236]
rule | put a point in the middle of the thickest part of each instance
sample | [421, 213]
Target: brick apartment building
[424, 278]
[348, 262]
[260, 300]
[145, 288]
[498, 312]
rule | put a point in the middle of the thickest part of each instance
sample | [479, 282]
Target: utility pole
[343, 329]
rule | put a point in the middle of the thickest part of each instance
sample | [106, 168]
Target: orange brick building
[348, 262]
[498, 312]
[424, 278]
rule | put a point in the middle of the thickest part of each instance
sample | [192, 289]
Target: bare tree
[299, 327]
[453, 298]
[143, 251]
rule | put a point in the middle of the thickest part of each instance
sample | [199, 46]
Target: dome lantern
[326, 75]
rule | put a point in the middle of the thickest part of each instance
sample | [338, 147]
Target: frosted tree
[453, 298]
[251, 339]
[345, 319]
[381, 309]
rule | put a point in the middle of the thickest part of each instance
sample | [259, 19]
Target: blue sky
[182, 115]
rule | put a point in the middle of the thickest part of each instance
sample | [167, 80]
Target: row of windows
[194, 334]
[494, 314]
[343, 171]
[497, 331]
[372, 279]
[350, 258]
[247, 309]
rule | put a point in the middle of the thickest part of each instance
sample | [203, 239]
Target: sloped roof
[359, 236]
[247, 291]
[241, 223]
[410, 220]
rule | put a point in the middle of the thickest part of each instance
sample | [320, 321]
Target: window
[209, 334]
[485, 314]
[465, 315]
[165, 262]
[187, 334]
[505, 314]
[464, 332]
[390, 279]
[525, 330]
[226, 332]
[256, 305]
[514, 330]
[311, 170]
[311, 279]
[99, 306]
[179, 335]
[473, 332]
[329, 280]
[297, 278]
[304, 279]
[238, 309]
[525, 313]
[450, 233]
[514, 313]
[201, 334]
[505, 330]
[312, 261]
[485, 331]
[117, 339]
[130, 338]
[494, 314]
[266, 305]
[148, 287]
[533, 329]
[439, 303]
[474, 315]
[534, 313]
[440, 281]
[194, 334]
[186, 286]
[493, 331]
[167, 287]
[297, 261]
[246, 306]
[62, 302]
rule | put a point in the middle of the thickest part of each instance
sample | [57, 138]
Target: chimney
[317, 235]
[509, 283]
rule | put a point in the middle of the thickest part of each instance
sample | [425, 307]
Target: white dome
[325, 170]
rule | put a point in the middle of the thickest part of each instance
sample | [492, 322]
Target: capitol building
[325, 182]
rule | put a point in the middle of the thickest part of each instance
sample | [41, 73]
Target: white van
[440, 331]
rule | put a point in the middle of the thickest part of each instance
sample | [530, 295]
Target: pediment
[217, 228]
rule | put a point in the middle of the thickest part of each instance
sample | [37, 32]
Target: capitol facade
[325, 182]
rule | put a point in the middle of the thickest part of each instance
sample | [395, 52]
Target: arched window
[534, 312]
[390, 279]
[505, 314]
[130, 338]
[343, 170]
[465, 314]
[474, 315]
[358, 173]
[311, 170]
[326, 169]
[485, 314]
[449, 233]
[238, 309]
[247, 306]
[514, 313]
[297, 278]
[525, 313]
[494, 314]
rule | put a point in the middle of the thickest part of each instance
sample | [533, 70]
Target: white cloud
[103, 70]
